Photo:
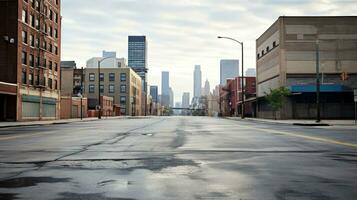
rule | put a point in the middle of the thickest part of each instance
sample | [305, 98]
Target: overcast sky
[180, 33]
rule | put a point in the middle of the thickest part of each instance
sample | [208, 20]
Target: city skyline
[175, 41]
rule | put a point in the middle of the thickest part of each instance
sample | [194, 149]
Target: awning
[8, 88]
[323, 88]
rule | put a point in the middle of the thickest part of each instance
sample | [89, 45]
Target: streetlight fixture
[99, 107]
[241, 44]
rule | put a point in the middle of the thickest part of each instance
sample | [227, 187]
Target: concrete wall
[70, 107]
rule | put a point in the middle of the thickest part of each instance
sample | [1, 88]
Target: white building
[186, 100]
[206, 88]
[197, 81]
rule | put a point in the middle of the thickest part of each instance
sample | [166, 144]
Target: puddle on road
[30, 181]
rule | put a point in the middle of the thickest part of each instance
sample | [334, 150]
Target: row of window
[267, 50]
[35, 42]
[35, 23]
[35, 80]
[52, 15]
[111, 77]
[36, 61]
[111, 88]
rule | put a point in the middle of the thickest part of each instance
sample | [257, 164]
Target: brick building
[30, 59]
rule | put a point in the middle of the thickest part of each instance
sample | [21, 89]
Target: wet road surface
[178, 158]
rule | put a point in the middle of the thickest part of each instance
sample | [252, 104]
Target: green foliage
[276, 97]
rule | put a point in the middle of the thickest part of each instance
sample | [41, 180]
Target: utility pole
[82, 93]
[318, 119]
[243, 92]
[99, 104]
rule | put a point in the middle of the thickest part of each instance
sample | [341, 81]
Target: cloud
[180, 33]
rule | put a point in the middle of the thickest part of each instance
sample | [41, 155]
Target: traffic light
[344, 76]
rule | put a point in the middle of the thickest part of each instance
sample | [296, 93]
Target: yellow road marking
[301, 135]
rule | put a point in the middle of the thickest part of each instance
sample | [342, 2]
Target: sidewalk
[301, 122]
[50, 122]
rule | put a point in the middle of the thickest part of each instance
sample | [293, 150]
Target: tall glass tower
[137, 57]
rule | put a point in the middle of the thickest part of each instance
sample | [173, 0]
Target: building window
[258, 55]
[24, 16]
[56, 50]
[101, 88]
[111, 89]
[123, 100]
[56, 67]
[262, 52]
[50, 65]
[32, 41]
[24, 58]
[50, 83]
[31, 60]
[24, 37]
[91, 88]
[32, 20]
[123, 88]
[274, 44]
[101, 76]
[37, 5]
[123, 77]
[268, 49]
[91, 77]
[50, 47]
[38, 61]
[56, 33]
[37, 23]
[51, 15]
[111, 76]
[31, 79]
[23, 78]
[56, 17]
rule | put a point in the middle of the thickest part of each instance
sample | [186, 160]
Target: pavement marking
[301, 135]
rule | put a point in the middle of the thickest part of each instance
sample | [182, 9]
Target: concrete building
[186, 100]
[122, 84]
[109, 54]
[172, 98]
[251, 72]
[206, 88]
[197, 81]
[165, 88]
[154, 92]
[286, 57]
[30, 50]
[229, 68]
[71, 79]
[110, 62]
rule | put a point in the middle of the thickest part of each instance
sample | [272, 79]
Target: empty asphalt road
[178, 158]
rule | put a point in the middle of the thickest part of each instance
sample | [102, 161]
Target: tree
[276, 98]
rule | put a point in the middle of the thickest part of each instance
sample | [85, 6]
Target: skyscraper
[228, 69]
[154, 93]
[186, 100]
[165, 88]
[206, 89]
[172, 98]
[137, 56]
[197, 81]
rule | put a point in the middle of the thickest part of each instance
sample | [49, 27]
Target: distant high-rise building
[109, 54]
[165, 88]
[207, 88]
[251, 72]
[137, 57]
[197, 81]
[154, 93]
[229, 69]
[186, 100]
[172, 98]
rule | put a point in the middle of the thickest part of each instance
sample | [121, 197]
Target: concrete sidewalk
[302, 122]
[50, 122]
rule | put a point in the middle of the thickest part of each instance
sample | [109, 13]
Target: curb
[279, 123]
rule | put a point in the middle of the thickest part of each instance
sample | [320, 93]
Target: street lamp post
[318, 119]
[99, 107]
[241, 43]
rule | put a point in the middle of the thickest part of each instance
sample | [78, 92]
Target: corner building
[30, 50]
[286, 57]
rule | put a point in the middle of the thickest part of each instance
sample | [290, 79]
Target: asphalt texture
[178, 158]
